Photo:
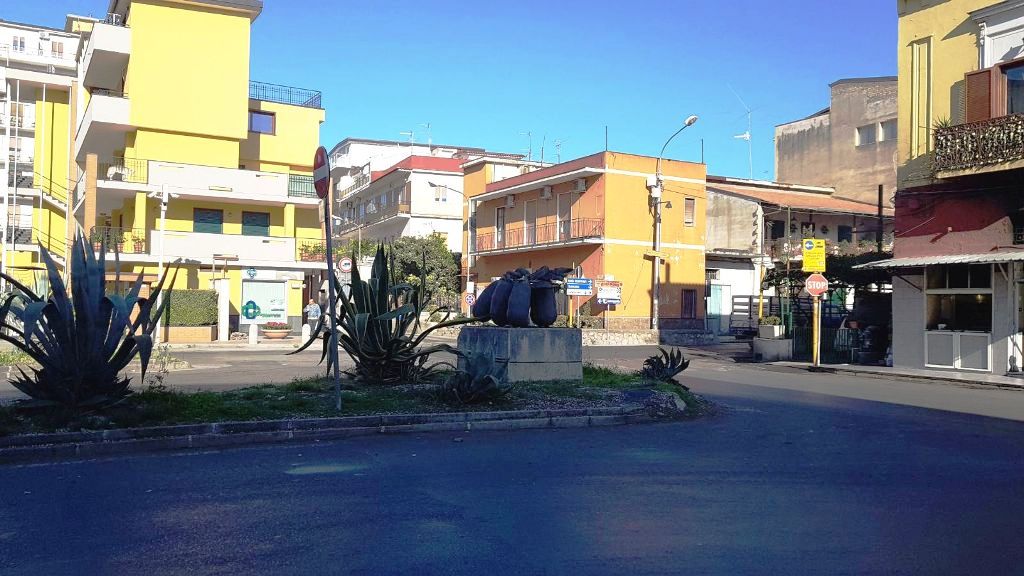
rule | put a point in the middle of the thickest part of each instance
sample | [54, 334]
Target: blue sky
[481, 73]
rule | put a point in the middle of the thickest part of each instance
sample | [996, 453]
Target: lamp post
[164, 196]
[656, 203]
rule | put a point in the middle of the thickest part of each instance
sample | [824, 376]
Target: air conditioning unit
[43, 35]
[545, 194]
[510, 201]
[581, 185]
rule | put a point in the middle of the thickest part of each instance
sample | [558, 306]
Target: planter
[277, 334]
[188, 334]
[770, 331]
[773, 349]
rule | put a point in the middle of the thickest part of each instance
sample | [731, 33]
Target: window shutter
[978, 102]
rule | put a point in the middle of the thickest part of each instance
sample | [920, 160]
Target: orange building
[592, 213]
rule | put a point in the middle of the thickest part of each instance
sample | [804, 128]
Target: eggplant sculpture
[520, 296]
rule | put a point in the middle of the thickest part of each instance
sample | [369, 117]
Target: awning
[917, 262]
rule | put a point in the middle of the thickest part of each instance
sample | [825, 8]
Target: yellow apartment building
[167, 110]
[958, 264]
[593, 213]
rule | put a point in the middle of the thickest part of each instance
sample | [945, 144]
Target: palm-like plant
[80, 339]
[664, 367]
[379, 327]
[481, 379]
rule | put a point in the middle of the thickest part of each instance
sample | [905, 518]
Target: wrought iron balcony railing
[300, 186]
[134, 170]
[121, 240]
[979, 144]
[284, 94]
[545, 234]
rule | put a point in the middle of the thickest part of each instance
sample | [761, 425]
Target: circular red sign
[345, 264]
[321, 173]
[816, 284]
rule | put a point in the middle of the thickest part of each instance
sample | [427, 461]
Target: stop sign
[321, 173]
[816, 284]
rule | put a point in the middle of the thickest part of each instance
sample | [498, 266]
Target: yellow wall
[189, 69]
[51, 144]
[937, 46]
[293, 143]
[183, 148]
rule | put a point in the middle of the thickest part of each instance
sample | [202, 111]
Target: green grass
[12, 356]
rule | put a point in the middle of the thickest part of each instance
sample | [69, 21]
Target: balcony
[106, 56]
[189, 180]
[47, 58]
[201, 246]
[781, 249]
[360, 182]
[22, 122]
[545, 235]
[120, 240]
[978, 147]
[284, 94]
[104, 124]
[378, 215]
[21, 175]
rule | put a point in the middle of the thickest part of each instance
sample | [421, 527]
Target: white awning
[917, 262]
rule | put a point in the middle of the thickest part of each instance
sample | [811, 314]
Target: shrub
[190, 307]
[81, 337]
[482, 380]
[664, 367]
[771, 321]
[277, 326]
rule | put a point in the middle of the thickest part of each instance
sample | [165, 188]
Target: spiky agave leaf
[665, 366]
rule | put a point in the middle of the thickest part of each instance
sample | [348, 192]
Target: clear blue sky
[483, 72]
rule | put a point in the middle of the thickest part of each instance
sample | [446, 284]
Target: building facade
[849, 146]
[592, 213]
[957, 263]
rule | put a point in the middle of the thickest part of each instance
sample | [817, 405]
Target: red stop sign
[816, 284]
[321, 173]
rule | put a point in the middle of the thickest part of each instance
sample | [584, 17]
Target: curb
[81, 445]
[962, 382]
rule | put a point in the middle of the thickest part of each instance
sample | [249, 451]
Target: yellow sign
[814, 254]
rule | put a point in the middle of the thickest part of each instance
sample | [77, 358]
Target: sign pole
[816, 352]
[321, 180]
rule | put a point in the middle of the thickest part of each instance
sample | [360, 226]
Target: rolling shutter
[255, 224]
[979, 103]
[208, 221]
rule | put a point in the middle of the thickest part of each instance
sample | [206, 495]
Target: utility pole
[881, 220]
[164, 196]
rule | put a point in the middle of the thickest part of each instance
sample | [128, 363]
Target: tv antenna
[411, 135]
[529, 149]
[430, 140]
[746, 135]
[558, 150]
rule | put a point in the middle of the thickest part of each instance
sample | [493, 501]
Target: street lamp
[164, 197]
[656, 208]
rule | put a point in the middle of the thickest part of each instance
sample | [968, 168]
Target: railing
[978, 144]
[21, 174]
[122, 240]
[361, 180]
[17, 121]
[116, 20]
[378, 215]
[12, 52]
[301, 186]
[545, 234]
[313, 250]
[284, 94]
[105, 92]
[135, 170]
[781, 248]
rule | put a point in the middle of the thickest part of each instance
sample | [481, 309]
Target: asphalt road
[783, 481]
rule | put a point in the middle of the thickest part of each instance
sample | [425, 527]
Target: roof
[38, 27]
[864, 80]
[425, 163]
[403, 143]
[918, 261]
[813, 198]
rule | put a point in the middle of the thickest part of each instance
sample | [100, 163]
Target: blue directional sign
[579, 286]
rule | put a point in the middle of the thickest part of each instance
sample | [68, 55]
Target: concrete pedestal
[773, 349]
[533, 354]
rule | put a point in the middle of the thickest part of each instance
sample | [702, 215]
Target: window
[888, 130]
[440, 194]
[712, 274]
[867, 135]
[18, 44]
[689, 211]
[778, 229]
[689, 303]
[1015, 90]
[207, 221]
[807, 229]
[57, 49]
[261, 122]
[844, 233]
[959, 297]
[957, 276]
[255, 224]
[499, 226]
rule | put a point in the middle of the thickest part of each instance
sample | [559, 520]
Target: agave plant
[379, 327]
[81, 339]
[482, 379]
[664, 367]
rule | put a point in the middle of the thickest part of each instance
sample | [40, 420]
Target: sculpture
[521, 296]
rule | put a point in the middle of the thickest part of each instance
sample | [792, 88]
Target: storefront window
[960, 312]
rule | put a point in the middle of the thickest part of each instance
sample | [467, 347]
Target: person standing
[313, 313]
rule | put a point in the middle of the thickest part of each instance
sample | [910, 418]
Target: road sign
[321, 173]
[345, 264]
[816, 285]
[609, 292]
[814, 254]
[470, 298]
[579, 286]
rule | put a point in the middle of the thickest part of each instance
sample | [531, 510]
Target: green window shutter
[255, 223]
[207, 221]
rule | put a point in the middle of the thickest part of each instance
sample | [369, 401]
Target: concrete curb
[79, 445]
[952, 379]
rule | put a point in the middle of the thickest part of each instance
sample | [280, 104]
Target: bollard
[254, 332]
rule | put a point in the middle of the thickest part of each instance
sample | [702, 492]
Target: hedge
[191, 308]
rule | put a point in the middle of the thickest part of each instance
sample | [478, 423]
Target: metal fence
[838, 345]
[301, 186]
[284, 94]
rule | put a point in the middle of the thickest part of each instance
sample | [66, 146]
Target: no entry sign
[321, 173]
[345, 265]
[816, 285]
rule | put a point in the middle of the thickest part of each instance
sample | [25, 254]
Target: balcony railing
[379, 214]
[361, 180]
[301, 186]
[543, 235]
[116, 20]
[121, 240]
[284, 94]
[782, 249]
[979, 144]
[17, 121]
[21, 174]
[313, 250]
[134, 170]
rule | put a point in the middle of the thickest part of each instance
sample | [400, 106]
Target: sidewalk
[915, 373]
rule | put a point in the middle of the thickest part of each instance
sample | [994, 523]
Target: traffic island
[302, 411]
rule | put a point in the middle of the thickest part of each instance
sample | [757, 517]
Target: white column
[223, 287]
